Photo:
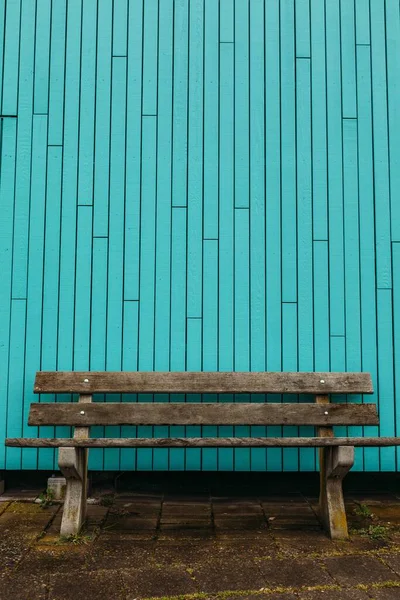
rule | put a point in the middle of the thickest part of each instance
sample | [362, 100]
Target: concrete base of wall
[2, 484]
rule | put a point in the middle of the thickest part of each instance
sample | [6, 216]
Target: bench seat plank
[178, 413]
[82, 382]
[236, 442]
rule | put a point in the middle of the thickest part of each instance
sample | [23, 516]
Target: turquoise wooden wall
[199, 185]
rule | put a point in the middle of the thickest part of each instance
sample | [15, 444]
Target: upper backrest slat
[165, 413]
[202, 382]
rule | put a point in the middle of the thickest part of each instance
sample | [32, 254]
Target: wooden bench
[336, 454]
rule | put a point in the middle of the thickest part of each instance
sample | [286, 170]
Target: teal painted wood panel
[192, 185]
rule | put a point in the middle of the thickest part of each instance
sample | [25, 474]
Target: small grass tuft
[363, 511]
[375, 532]
[107, 500]
[46, 499]
[76, 539]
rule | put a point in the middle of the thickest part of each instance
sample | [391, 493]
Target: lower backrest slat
[202, 414]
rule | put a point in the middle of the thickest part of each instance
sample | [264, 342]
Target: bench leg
[73, 465]
[335, 463]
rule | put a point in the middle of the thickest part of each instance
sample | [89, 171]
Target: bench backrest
[222, 413]
[202, 382]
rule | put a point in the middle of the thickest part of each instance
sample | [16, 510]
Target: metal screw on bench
[83, 412]
[86, 381]
[326, 412]
[322, 381]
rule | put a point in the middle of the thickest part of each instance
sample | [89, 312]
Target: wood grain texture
[231, 442]
[204, 382]
[177, 413]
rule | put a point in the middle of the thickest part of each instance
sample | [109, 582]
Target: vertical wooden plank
[287, 102]
[226, 28]
[396, 338]
[242, 104]
[387, 416]
[211, 98]
[367, 237]
[348, 49]
[352, 262]
[289, 363]
[24, 151]
[178, 316]
[102, 118]
[83, 288]
[133, 151]
[321, 306]
[242, 322]
[242, 290]
[260, 155]
[338, 363]
[180, 103]
[8, 130]
[302, 28]
[362, 22]
[195, 159]
[42, 57]
[210, 337]
[393, 82]
[15, 381]
[147, 270]
[335, 174]
[35, 284]
[129, 363]
[150, 49]
[163, 215]
[116, 237]
[57, 65]
[321, 322]
[380, 139]
[226, 220]
[87, 103]
[51, 274]
[120, 28]
[2, 38]
[193, 363]
[319, 117]
[304, 214]
[273, 280]
[11, 57]
[304, 234]
[69, 191]
[98, 332]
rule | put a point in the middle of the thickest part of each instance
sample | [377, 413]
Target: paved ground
[154, 542]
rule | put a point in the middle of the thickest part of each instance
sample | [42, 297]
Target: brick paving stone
[185, 553]
[341, 594]
[293, 573]
[386, 593]
[261, 596]
[305, 543]
[119, 554]
[154, 581]
[229, 574]
[240, 523]
[90, 585]
[393, 561]
[129, 524]
[24, 586]
[3, 507]
[353, 570]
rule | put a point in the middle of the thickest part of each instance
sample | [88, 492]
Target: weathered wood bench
[336, 454]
